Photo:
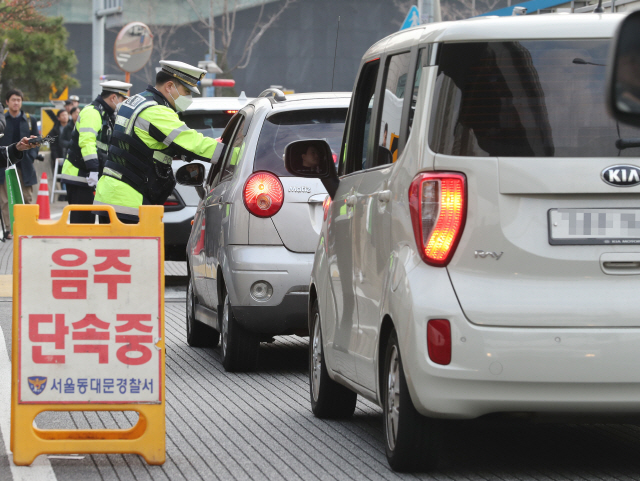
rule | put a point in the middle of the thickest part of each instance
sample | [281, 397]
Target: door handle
[351, 200]
[384, 196]
[620, 264]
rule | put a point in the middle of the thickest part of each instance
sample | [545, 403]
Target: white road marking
[40, 469]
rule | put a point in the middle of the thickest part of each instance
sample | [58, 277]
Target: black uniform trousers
[77, 194]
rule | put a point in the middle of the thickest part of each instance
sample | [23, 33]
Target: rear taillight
[325, 206]
[439, 341]
[438, 211]
[263, 194]
[173, 202]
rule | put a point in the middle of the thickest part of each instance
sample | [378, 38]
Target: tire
[329, 400]
[411, 439]
[239, 347]
[198, 334]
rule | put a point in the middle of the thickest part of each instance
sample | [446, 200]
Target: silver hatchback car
[256, 228]
[480, 252]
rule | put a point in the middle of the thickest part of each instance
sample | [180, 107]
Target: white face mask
[182, 102]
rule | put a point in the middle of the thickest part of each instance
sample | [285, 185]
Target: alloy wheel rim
[225, 326]
[392, 406]
[316, 358]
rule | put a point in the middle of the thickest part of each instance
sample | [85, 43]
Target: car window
[284, 127]
[227, 137]
[530, 98]
[355, 153]
[394, 95]
[209, 124]
[234, 152]
[423, 58]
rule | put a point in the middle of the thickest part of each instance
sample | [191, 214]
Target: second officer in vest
[89, 145]
[147, 135]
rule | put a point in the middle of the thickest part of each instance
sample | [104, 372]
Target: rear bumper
[561, 371]
[287, 317]
[287, 272]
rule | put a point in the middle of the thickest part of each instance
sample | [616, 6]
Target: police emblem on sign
[37, 384]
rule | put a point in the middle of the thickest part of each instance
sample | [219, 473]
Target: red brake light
[439, 341]
[325, 206]
[171, 203]
[263, 194]
[232, 111]
[438, 212]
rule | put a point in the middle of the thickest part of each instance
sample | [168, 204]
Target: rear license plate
[594, 226]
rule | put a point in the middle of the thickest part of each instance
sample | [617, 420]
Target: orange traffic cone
[43, 198]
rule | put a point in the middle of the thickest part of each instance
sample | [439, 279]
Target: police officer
[88, 149]
[147, 135]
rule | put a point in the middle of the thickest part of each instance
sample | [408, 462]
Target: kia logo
[621, 175]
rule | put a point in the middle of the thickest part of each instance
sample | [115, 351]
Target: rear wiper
[622, 144]
[581, 61]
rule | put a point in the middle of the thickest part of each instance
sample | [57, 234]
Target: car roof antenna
[333, 74]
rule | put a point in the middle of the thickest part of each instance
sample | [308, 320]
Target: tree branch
[198, 14]
[248, 50]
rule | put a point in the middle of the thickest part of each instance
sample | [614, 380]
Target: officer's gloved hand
[92, 180]
[40, 157]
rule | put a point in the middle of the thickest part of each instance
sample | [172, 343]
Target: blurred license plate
[594, 226]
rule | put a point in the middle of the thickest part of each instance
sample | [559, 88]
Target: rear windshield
[209, 124]
[542, 98]
[283, 128]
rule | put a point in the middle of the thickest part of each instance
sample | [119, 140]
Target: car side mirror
[312, 159]
[191, 174]
[623, 82]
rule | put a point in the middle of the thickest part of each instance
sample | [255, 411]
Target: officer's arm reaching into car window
[165, 128]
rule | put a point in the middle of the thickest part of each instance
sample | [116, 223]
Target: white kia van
[481, 250]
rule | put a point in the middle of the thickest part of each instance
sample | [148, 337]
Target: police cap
[186, 74]
[120, 88]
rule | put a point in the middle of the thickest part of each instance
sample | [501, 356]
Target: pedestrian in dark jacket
[19, 125]
[67, 132]
[60, 145]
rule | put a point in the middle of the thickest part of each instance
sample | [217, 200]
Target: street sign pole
[429, 11]
[97, 55]
[101, 10]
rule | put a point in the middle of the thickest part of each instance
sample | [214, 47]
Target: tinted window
[422, 58]
[234, 152]
[285, 127]
[543, 98]
[397, 71]
[208, 124]
[355, 155]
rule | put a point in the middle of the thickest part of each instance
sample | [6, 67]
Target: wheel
[198, 334]
[410, 438]
[329, 399]
[239, 346]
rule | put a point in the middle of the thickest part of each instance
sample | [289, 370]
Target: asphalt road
[259, 426]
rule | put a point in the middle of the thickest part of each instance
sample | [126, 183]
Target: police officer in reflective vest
[147, 136]
[89, 145]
